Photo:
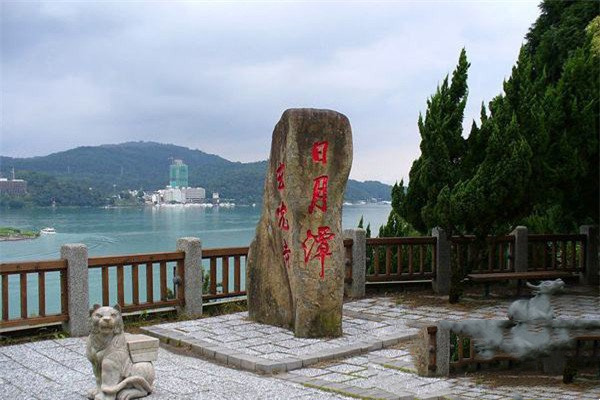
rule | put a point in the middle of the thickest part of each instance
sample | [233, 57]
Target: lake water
[131, 230]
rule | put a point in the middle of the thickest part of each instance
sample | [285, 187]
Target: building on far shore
[178, 191]
[13, 187]
[178, 174]
[194, 195]
[179, 195]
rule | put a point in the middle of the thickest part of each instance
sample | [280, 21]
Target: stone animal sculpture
[117, 376]
[538, 307]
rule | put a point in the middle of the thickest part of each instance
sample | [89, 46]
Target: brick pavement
[58, 369]
[234, 340]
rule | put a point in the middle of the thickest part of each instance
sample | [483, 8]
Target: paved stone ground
[390, 373]
[236, 341]
[58, 369]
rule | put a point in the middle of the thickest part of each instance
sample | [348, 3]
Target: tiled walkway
[389, 373]
[59, 370]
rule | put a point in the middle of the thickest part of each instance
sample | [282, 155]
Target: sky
[216, 76]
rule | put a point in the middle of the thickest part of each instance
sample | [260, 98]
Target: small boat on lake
[48, 231]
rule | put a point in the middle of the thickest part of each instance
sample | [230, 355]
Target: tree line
[533, 157]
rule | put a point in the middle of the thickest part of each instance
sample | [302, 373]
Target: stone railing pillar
[356, 288]
[442, 353]
[590, 276]
[193, 275]
[78, 304]
[520, 252]
[441, 280]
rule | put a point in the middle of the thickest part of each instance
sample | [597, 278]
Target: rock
[295, 268]
[142, 347]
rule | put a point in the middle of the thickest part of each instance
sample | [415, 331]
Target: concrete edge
[237, 359]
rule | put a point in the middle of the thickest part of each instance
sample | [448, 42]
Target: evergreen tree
[396, 226]
[442, 147]
[533, 159]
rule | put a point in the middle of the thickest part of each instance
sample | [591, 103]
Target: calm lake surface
[131, 230]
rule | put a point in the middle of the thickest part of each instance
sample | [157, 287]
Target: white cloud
[217, 75]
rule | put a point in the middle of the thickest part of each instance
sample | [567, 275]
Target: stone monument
[122, 363]
[295, 268]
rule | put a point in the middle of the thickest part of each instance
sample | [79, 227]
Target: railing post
[441, 279]
[442, 350]
[356, 288]
[193, 276]
[590, 276]
[78, 304]
[520, 251]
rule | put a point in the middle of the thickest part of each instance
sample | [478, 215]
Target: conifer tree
[533, 159]
[442, 147]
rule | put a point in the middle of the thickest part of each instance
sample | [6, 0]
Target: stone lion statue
[117, 376]
[539, 306]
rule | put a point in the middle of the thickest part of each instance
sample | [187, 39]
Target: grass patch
[403, 369]
[332, 390]
[229, 307]
[7, 232]
[32, 335]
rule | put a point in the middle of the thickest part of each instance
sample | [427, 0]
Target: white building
[177, 195]
[172, 195]
[194, 195]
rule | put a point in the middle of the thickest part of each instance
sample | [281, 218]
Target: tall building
[178, 174]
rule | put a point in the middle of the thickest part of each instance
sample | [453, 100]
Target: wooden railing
[39, 269]
[400, 259]
[168, 294]
[463, 354]
[557, 252]
[586, 347]
[432, 364]
[463, 350]
[496, 256]
[222, 263]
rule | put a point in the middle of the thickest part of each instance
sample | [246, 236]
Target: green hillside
[145, 165]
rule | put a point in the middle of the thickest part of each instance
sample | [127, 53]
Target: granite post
[295, 268]
[441, 280]
[193, 275]
[590, 276]
[442, 354]
[78, 304]
[356, 288]
[520, 251]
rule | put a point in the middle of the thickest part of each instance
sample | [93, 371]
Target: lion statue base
[117, 375]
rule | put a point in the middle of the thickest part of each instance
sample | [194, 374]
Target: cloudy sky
[216, 76]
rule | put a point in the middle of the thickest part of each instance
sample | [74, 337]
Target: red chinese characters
[319, 152]
[286, 253]
[279, 176]
[319, 248]
[282, 220]
[319, 196]
[280, 213]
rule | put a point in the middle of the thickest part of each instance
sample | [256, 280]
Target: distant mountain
[145, 165]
